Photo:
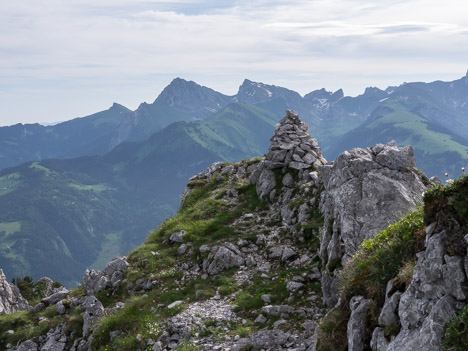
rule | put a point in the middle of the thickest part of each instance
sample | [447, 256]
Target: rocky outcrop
[10, 297]
[95, 280]
[365, 190]
[438, 290]
[222, 258]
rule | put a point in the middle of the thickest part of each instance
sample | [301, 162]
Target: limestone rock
[61, 294]
[177, 237]
[95, 280]
[365, 190]
[222, 258]
[388, 315]
[430, 301]
[379, 341]
[93, 310]
[357, 323]
[11, 299]
[266, 183]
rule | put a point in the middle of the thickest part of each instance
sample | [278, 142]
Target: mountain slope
[99, 133]
[86, 210]
[437, 149]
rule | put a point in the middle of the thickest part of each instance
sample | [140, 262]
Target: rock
[157, 346]
[60, 308]
[356, 330]
[225, 257]
[177, 237]
[430, 301]
[95, 280]
[93, 310]
[378, 342]
[365, 190]
[388, 315]
[287, 254]
[293, 287]
[260, 319]
[27, 345]
[11, 299]
[266, 298]
[266, 183]
[61, 294]
[175, 303]
[56, 339]
[118, 264]
[39, 307]
[288, 180]
[204, 249]
[182, 249]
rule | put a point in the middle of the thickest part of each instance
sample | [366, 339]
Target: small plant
[455, 337]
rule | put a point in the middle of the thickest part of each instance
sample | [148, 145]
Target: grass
[380, 259]
[28, 325]
[332, 332]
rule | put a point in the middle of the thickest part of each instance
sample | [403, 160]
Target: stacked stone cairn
[291, 147]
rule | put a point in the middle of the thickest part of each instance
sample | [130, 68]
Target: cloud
[99, 52]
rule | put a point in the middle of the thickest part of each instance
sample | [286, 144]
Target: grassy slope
[90, 209]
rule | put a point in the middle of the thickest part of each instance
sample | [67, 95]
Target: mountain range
[85, 190]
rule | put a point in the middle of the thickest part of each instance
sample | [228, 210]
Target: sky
[65, 59]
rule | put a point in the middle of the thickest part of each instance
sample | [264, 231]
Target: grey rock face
[365, 191]
[93, 310]
[292, 147]
[95, 280]
[56, 339]
[266, 183]
[11, 299]
[27, 345]
[357, 323]
[222, 258]
[378, 341]
[388, 315]
[434, 296]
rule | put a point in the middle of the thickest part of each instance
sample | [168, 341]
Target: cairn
[291, 145]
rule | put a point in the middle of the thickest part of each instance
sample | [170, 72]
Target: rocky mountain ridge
[255, 255]
[438, 108]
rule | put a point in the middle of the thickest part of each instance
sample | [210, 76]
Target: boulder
[365, 191]
[224, 257]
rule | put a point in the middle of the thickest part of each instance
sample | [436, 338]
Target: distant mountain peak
[191, 98]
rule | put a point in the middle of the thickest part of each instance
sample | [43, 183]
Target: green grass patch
[380, 259]
[332, 334]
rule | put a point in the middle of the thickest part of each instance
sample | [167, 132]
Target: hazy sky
[64, 59]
